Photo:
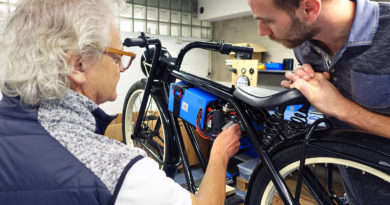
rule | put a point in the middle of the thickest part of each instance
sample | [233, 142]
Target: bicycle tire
[262, 191]
[153, 131]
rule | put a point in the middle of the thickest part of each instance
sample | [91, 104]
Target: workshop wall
[242, 30]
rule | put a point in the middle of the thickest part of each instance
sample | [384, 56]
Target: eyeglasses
[122, 58]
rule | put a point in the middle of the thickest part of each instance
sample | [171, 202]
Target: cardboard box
[242, 184]
[204, 145]
[118, 119]
[114, 129]
[258, 50]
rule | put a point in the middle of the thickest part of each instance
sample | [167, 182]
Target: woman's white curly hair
[36, 37]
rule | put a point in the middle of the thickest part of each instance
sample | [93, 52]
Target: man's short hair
[288, 5]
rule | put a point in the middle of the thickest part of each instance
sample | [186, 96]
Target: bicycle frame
[220, 91]
[223, 94]
[174, 138]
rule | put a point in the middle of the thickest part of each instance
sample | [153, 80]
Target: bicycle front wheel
[329, 178]
[152, 134]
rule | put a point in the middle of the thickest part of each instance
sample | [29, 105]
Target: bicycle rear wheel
[152, 136]
[329, 178]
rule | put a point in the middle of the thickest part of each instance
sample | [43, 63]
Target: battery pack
[192, 101]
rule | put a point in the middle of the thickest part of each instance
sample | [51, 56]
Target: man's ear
[77, 75]
[310, 10]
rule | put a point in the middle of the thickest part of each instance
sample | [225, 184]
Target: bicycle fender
[345, 136]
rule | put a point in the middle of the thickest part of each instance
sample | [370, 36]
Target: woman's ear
[77, 75]
[310, 10]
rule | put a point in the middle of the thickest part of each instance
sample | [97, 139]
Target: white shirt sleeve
[146, 184]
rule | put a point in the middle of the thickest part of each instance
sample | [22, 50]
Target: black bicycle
[299, 164]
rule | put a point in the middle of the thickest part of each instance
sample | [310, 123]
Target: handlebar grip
[129, 42]
[226, 48]
[241, 49]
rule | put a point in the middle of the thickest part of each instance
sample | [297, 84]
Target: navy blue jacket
[37, 169]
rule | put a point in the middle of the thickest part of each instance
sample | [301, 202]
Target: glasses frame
[110, 50]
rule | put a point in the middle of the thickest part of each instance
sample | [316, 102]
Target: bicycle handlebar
[141, 41]
[237, 49]
[129, 42]
[223, 48]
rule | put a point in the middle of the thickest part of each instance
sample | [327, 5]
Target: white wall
[217, 10]
[195, 62]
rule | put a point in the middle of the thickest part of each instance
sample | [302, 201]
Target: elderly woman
[60, 60]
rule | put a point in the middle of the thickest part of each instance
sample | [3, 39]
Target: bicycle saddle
[264, 98]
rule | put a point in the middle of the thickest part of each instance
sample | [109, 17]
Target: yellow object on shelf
[261, 67]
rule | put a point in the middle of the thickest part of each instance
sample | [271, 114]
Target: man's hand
[316, 88]
[322, 94]
[327, 99]
[227, 143]
[305, 72]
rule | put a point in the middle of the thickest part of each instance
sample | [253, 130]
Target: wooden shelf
[273, 71]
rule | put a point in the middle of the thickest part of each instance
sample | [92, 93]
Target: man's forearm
[364, 119]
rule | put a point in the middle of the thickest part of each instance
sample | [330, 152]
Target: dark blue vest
[35, 169]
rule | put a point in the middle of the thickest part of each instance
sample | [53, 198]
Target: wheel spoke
[315, 187]
[152, 133]
[151, 152]
[330, 183]
[323, 183]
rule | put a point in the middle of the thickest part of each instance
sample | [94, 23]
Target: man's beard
[297, 34]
